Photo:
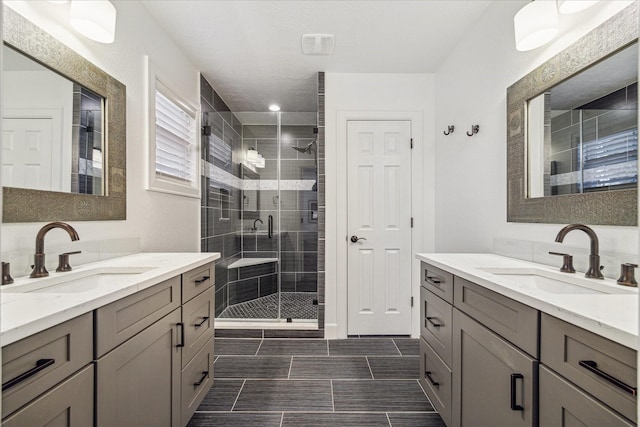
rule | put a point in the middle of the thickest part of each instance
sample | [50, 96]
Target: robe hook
[449, 130]
[474, 129]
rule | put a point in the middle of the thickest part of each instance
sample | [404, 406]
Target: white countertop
[614, 316]
[26, 313]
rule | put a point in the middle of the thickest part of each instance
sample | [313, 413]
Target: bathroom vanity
[128, 341]
[510, 342]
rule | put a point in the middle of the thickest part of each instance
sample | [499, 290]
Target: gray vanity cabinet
[493, 381]
[138, 383]
[564, 405]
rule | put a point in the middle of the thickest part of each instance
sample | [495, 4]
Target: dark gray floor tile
[334, 419]
[416, 419]
[238, 333]
[234, 419]
[292, 333]
[285, 395]
[330, 368]
[236, 347]
[292, 347]
[363, 346]
[390, 368]
[408, 346]
[251, 367]
[221, 396]
[379, 395]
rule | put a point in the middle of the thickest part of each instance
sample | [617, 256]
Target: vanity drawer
[437, 281]
[435, 377]
[197, 280]
[197, 378]
[65, 348]
[436, 324]
[68, 404]
[516, 322]
[122, 319]
[563, 405]
[197, 316]
[584, 358]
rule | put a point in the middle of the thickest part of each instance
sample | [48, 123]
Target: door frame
[421, 216]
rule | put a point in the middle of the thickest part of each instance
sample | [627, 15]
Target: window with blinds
[175, 140]
[174, 167]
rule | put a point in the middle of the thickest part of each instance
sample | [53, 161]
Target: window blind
[175, 140]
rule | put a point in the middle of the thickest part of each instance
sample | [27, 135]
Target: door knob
[354, 239]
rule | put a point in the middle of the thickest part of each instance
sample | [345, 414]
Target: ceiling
[250, 51]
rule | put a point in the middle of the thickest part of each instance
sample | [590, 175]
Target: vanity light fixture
[536, 24]
[94, 19]
[252, 155]
[573, 6]
[274, 107]
[261, 162]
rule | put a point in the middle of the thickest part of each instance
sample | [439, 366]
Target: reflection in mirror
[582, 134]
[52, 129]
[250, 194]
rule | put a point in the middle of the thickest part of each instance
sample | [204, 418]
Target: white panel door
[379, 216]
[26, 153]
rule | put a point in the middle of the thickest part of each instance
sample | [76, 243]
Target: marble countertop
[27, 308]
[614, 316]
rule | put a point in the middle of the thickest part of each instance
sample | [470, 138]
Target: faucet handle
[627, 275]
[6, 274]
[63, 261]
[567, 262]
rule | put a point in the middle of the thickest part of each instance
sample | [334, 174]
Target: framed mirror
[572, 132]
[84, 175]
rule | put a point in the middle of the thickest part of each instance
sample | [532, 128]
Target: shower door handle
[270, 226]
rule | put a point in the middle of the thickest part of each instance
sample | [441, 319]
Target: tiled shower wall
[220, 189]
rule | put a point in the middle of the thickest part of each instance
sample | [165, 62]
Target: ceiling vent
[318, 44]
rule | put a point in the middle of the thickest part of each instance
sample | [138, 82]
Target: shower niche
[268, 271]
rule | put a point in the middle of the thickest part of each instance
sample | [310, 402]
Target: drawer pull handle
[592, 366]
[435, 325]
[181, 326]
[514, 405]
[204, 319]
[433, 383]
[205, 375]
[434, 280]
[204, 279]
[41, 364]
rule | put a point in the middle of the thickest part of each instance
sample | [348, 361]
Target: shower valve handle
[354, 239]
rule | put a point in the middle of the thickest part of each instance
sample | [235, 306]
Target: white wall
[162, 222]
[374, 96]
[471, 87]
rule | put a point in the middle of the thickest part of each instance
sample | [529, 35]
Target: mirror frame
[26, 205]
[615, 207]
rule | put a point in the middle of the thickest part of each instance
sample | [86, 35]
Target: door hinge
[411, 301]
[412, 143]
[411, 222]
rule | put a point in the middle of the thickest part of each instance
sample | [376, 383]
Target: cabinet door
[564, 405]
[493, 381]
[197, 316]
[69, 404]
[138, 383]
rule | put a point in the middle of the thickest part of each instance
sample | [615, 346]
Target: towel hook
[474, 129]
[449, 130]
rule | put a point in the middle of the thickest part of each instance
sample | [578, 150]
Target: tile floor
[315, 382]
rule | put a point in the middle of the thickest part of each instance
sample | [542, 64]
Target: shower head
[306, 149]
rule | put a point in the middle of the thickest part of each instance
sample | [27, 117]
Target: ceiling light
[94, 19]
[274, 107]
[573, 6]
[318, 44]
[535, 24]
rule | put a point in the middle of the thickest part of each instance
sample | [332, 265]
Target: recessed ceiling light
[274, 107]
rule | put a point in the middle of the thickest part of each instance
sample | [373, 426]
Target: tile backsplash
[91, 251]
[539, 252]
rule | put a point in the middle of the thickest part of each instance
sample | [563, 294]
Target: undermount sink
[556, 282]
[78, 281]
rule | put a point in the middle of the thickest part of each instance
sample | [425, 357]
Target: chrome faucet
[594, 258]
[255, 227]
[39, 269]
